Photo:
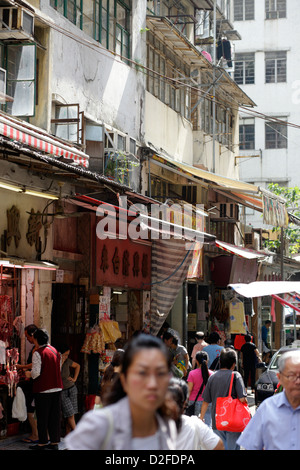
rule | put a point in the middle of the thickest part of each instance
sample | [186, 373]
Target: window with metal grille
[275, 9]
[244, 73]
[276, 63]
[276, 135]
[247, 134]
[161, 62]
[106, 21]
[243, 10]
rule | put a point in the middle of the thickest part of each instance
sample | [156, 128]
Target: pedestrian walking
[250, 357]
[133, 416]
[47, 387]
[69, 396]
[181, 356]
[265, 345]
[200, 344]
[193, 434]
[214, 347]
[168, 339]
[276, 422]
[111, 372]
[27, 384]
[197, 381]
[218, 386]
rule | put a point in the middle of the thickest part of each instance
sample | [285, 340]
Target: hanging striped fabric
[170, 263]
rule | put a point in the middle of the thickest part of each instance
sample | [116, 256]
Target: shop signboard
[123, 263]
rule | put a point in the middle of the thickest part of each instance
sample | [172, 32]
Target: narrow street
[149, 183]
[15, 442]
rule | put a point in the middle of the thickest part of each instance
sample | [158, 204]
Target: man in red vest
[47, 387]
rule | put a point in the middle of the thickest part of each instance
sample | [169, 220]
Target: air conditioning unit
[16, 23]
[226, 211]
[252, 240]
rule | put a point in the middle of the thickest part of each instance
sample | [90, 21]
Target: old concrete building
[267, 67]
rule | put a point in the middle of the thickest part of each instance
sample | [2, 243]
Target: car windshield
[274, 361]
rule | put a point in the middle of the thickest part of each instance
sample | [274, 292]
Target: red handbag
[231, 414]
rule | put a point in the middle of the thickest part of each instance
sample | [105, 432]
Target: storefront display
[11, 329]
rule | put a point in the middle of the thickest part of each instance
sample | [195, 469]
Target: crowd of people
[50, 390]
[154, 397]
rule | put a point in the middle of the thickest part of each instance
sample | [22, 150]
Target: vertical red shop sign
[123, 263]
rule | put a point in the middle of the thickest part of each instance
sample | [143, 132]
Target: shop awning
[37, 138]
[272, 206]
[285, 303]
[240, 251]
[19, 263]
[243, 193]
[262, 288]
[169, 266]
[155, 227]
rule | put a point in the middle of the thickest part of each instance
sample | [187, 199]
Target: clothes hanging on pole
[224, 50]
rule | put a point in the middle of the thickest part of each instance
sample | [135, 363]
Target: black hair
[167, 335]
[63, 348]
[30, 329]
[41, 336]
[178, 396]
[248, 338]
[110, 374]
[199, 335]
[228, 357]
[115, 362]
[140, 342]
[202, 359]
[175, 341]
[214, 337]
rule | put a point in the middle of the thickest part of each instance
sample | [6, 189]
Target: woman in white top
[132, 417]
[193, 434]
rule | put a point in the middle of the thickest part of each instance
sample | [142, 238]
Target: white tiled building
[267, 67]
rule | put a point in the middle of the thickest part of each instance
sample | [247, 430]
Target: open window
[68, 123]
[94, 145]
[21, 78]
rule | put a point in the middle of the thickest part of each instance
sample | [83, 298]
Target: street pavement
[16, 442]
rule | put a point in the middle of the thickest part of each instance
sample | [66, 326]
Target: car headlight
[265, 387]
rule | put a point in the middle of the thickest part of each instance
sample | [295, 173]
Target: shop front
[119, 301]
[20, 285]
[232, 316]
[25, 291]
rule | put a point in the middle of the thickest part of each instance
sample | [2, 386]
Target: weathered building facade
[108, 106]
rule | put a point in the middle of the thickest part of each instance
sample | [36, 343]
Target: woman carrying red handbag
[218, 385]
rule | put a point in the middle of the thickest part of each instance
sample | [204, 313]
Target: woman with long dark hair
[110, 374]
[134, 416]
[197, 381]
[193, 434]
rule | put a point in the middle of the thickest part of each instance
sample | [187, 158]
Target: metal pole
[185, 314]
[214, 87]
[282, 278]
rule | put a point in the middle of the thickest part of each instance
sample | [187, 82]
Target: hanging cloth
[224, 50]
[237, 317]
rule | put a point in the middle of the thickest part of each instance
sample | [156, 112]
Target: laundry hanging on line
[224, 50]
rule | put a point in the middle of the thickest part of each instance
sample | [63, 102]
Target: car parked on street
[267, 383]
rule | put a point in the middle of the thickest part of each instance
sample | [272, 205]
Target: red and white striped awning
[39, 139]
[240, 251]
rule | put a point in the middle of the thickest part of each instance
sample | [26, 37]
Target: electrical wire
[98, 47]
